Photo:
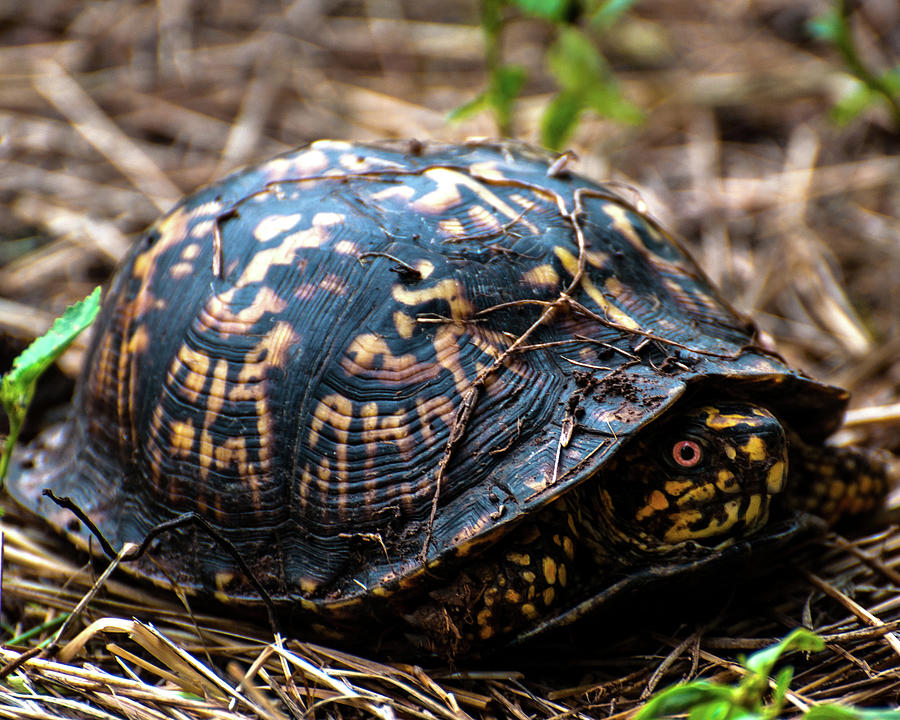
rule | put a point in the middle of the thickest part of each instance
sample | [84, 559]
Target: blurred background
[766, 133]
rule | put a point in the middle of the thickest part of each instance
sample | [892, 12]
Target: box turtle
[454, 389]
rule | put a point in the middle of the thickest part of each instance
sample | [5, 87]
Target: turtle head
[706, 475]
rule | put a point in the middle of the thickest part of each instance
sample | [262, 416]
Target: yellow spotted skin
[384, 370]
[707, 475]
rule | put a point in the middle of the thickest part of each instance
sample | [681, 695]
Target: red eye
[686, 453]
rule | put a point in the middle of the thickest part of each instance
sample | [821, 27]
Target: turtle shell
[359, 362]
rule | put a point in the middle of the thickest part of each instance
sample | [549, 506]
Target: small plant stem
[492, 24]
[847, 48]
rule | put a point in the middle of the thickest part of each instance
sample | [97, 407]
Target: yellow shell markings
[128, 377]
[171, 230]
[404, 324]
[181, 437]
[192, 373]
[430, 409]
[317, 234]
[488, 171]
[346, 247]
[181, 270]
[452, 228]
[541, 276]
[402, 193]
[272, 226]
[370, 355]
[483, 219]
[695, 298]
[447, 196]
[425, 268]
[612, 312]
[283, 254]
[191, 251]
[446, 352]
[336, 411]
[202, 229]
[448, 289]
[303, 164]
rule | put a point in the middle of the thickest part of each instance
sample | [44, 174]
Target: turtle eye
[687, 453]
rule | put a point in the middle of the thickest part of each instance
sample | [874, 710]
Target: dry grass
[110, 110]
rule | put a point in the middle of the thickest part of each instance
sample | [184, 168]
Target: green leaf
[575, 62]
[763, 661]
[607, 100]
[586, 82]
[556, 10]
[559, 119]
[17, 386]
[782, 684]
[506, 83]
[891, 79]
[854, 102]
[474, 106]
[861, 96]
[684, 698]
[608, 12]
[829, 26]
[492, 16]
[716, 710]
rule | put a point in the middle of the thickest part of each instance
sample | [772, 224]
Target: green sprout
[870, 86]
[584, 78]
[705, 700]
[17, 386]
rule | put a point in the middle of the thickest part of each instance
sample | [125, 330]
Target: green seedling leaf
[686, 698]
[474, 106]
[17, 386]
[828, 26]
[586, 82]
[852, 103]
[782, 684]
[575, 63]
[559, 119]
[505, 84]
[861, 96]
[607, 12]
[763, 661]
[607, 100]
[556, 10]
[704, 700]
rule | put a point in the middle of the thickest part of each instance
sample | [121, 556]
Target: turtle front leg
[512, 587]
[837, 482]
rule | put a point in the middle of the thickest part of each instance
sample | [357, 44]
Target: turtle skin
[457, 389]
